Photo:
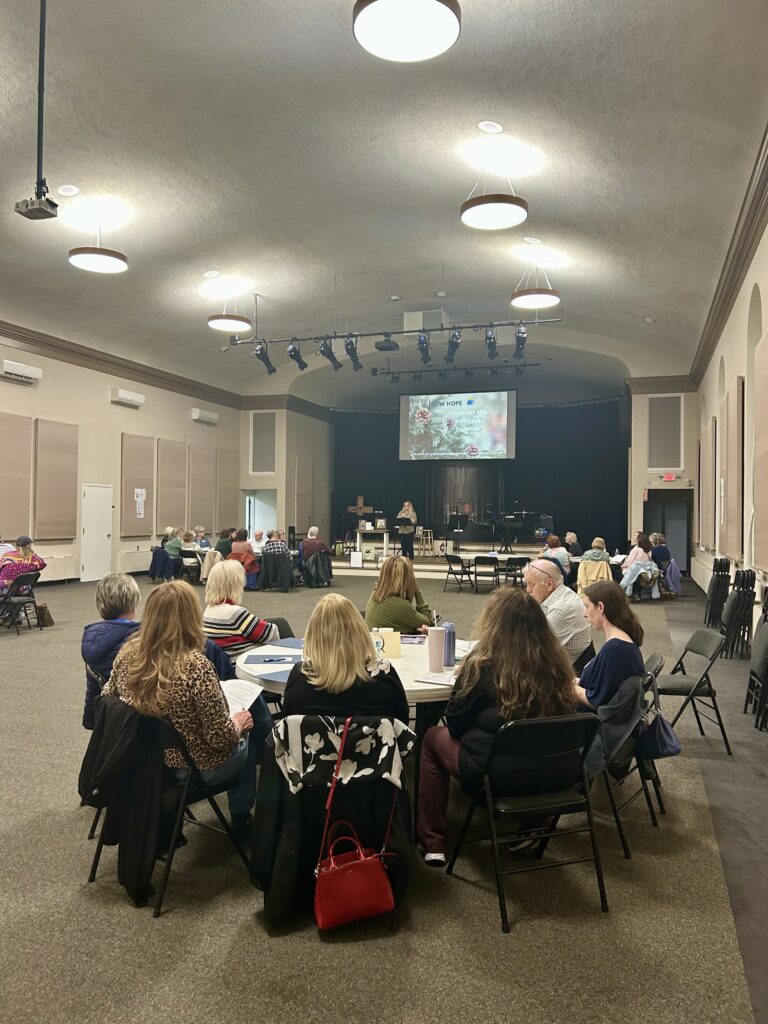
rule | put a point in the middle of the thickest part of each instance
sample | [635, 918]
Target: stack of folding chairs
[717, 593]
[736, 616]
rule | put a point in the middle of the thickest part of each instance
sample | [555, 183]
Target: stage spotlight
[326, 350]
[521, 336]
[454, 340]
[490, 342]
[294, 353]
[494, 372]
[424, 347]
[395, 378]
[260, 352]
[468, 373]
[350, 347]
[441, 374]
[417, 376]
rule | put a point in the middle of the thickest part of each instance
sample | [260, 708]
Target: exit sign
[669, 477]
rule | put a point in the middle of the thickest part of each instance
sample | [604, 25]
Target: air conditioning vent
[205, 416]
[20, 373]
[133, 399]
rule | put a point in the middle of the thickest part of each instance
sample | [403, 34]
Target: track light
[424, 347]
[350, 347]
[521, 336]
[441, 375]
[468, 373]
[260, 352]
[454, 340]
[395, 378]
[294, 353]
[326, 351]
[490, 342]
[417, 376]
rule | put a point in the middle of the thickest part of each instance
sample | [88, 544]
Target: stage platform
[433, 567]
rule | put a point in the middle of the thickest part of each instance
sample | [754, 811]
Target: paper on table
[413, 638]
[240, 693]
[271, 651]
[443, 678]
[463, 647]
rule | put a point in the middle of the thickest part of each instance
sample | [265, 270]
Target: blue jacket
[101, 642]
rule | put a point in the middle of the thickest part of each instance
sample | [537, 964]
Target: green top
[399, 614]
[224, 546]
[173, 547]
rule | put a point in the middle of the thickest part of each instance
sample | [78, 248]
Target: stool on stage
[425, 542]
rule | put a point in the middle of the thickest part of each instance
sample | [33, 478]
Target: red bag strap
[329, 801]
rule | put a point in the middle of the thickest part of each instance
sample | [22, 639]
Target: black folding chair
[17, 601]
[514, 570]
[757, 683]
[698, 692]
[458, 571]
[536, 767]
[654, 663]
[488, 566]
[178, 798]
[190, 571]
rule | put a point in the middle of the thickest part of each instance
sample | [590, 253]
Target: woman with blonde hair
[595, 565]
[392, 602]
[232, 627]
[339, 674]
[161, 671]
[517, 669]
[407, 532]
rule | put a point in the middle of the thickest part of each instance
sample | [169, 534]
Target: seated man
[563, 608]
[311, 545]
[275, 544]
[258, 541]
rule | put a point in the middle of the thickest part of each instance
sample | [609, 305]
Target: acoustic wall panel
[708, 484]
[228, 511]
[171, 484]
[137, 486]
[665, 432]
[760, 465]
[263, 432]
[302, 493]
[16, 434]
[55, 481]
[202, 490]
[732, 472]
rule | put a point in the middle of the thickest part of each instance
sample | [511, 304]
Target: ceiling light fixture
[424, 347]
[490, 342]
[294, 353]
[350, 347]
[406, 30]
[454, 341]
[211, 273]
[261, 353]
[531, 240]
[229, 322]
[531, 294]
[326, 351]
[490, 127]
[541, 255]
[97, 259]
[495, 211]
[68, 190]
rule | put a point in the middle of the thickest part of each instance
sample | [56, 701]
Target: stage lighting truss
[454, 341]
[261, 353]
[521, 336]
[326, 351]
[294, 353]
[424, 347]
[350, 347]
[490, 342]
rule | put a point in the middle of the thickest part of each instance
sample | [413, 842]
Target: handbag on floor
[44, 616]
[354, 885]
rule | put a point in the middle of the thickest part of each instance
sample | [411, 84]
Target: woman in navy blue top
[607, 609]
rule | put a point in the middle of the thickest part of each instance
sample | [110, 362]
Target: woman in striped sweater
[225, 621]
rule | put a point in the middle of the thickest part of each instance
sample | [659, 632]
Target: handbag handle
[345, 839]
[335, 779]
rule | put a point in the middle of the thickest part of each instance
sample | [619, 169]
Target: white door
[96, 538]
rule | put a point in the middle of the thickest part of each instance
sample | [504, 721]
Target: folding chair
[458, 571]
[191, 572]
[757, 682]
[706, 643]
[536, 767]
[489, 570]
[514, 570]
[654, 663]
[17, 600]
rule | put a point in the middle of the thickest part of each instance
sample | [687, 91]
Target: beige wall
[71, 394]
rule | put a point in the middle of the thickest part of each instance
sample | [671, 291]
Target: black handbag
[658, 740]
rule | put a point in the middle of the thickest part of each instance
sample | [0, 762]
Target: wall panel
[202, 485]
[16, 433]
[55, 481]
[137, 473]
[171, 484]
[228, 511]
[732, 471]
[760, 472]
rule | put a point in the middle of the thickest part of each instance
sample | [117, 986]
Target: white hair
[312, 531]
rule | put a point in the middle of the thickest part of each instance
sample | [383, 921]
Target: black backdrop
[571, 462]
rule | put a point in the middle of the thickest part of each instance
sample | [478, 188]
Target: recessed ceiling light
[649, 319]
[226, 286]
[211, 273]
[531, 240]
[96, 213]
[490, 127]
[406, 30]
[394, 298]
[542, 255]
[68, 190]
[503, 155]
[441, 295]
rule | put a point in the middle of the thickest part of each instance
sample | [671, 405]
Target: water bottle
[378, 644]
[616, 553]
[449, 655]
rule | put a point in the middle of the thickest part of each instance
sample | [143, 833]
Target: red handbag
[354, 885]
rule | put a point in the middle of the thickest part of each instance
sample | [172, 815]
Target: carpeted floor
[73, 952]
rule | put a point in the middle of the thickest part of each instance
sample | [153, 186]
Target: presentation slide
[479, 425]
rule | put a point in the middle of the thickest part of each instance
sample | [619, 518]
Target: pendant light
[493, 211]
[97, 259]
[534, 291]
[406, 30]
[233, 323]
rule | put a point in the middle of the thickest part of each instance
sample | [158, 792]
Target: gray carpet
[73, 952]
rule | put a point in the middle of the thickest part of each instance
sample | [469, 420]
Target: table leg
[427, 714]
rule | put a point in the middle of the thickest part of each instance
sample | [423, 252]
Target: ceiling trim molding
[26, 340]
[672, 385]
[750, 228]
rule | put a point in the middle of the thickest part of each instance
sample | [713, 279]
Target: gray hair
[116, 594]
[312, 532]
[199, 529]
[570, 537]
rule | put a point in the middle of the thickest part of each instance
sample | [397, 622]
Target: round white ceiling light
[535, 298]
[231, 322]
[531, 240]
[494, 212]
[211, 273]
[98, 260]
[490, 127]
[68, 190]
[406, 30]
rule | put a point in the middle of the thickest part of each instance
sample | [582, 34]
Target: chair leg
[647, 795]
[656, 782]
[96, 857]
[698, 716]
[95, 823]
[225, 825]
[595, 849]
[172, 848]
[616, 816]
[496, 859]
[462, 834]
[722, 726]
[681, 709]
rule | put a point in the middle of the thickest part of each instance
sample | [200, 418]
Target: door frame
[674, 495]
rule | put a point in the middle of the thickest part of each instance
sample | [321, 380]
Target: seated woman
[572, 545]
[392, 602]
[342, 679]
[200, 539]
[117, 601]
[660, 553]
[607, 610]
[518, 669]
[641, 552]
[596, 552]
[162, 671]
[554, 549]
[173, 547]
[595, 565]
[225, 621]
[19, 561]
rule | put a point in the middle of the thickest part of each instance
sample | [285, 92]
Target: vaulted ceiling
[259, 139]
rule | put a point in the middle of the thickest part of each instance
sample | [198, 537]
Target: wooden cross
[360, 508]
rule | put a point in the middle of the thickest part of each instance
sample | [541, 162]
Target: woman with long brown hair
[518, 669]
[161, 670]
[607, 610]
[392, 602]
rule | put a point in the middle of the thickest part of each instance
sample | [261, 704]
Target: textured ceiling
[258, 138]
